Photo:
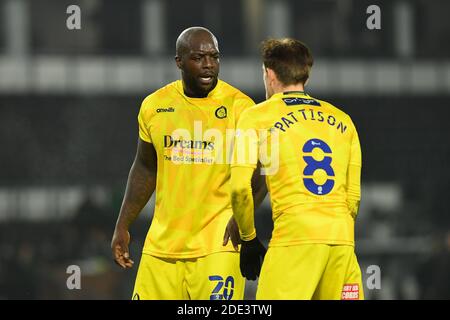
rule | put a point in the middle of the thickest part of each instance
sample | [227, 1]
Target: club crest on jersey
[221, 112]
[171, 109]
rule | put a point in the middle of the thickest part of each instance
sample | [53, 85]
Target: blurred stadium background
[68, 130]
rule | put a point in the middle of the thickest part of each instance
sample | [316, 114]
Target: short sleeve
[245, 151]
[143, 121]
[243, 103]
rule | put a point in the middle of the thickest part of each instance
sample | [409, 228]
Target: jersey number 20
[312, 165]
[227, 285]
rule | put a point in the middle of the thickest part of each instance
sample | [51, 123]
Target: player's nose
[208, 62]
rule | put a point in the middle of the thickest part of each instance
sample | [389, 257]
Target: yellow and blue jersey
[193, 141]
[315, 161]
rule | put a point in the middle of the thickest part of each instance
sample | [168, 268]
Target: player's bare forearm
[140, 185]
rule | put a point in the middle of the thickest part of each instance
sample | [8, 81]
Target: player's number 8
[312, 165]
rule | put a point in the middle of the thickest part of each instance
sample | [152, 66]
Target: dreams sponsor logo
[170, 142]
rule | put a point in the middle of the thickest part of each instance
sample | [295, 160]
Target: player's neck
[192, 92]
[293, 87]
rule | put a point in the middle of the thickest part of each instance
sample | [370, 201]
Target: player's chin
[207, 86]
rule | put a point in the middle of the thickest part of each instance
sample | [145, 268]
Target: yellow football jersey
[309, 148]
[193, 139]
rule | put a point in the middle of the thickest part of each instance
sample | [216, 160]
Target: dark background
[68, 130]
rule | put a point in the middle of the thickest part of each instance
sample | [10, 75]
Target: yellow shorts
[310, 271]
[213, 277]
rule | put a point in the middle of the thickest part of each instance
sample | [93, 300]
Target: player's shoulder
[238, 96]
[257, 113]
[162, 97]
[333, 109]
[262, 107]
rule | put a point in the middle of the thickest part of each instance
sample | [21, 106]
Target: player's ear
[178, 61]
[271, 76]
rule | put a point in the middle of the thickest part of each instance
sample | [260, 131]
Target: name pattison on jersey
[309, 115]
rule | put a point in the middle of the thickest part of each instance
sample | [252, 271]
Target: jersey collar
[290, 94]
[211, 94]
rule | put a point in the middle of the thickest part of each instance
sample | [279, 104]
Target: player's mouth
[207, 79]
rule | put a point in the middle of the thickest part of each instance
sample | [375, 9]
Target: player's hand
[119, 247]
[252, 256]
[232, 232]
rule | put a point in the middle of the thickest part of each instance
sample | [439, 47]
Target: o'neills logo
[169, 142]
[171, 109]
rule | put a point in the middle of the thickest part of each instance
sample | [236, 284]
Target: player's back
[308, 188]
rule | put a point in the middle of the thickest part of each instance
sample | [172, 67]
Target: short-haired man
[314, 192]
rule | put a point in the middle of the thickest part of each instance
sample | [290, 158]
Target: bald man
[182, 153]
